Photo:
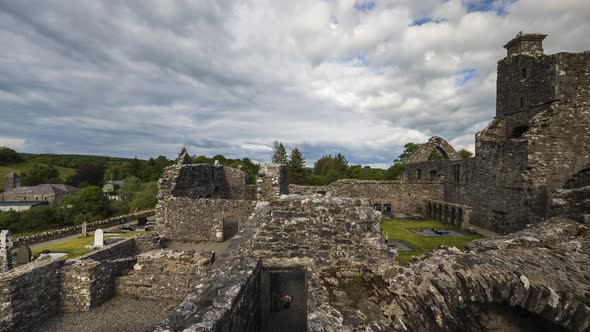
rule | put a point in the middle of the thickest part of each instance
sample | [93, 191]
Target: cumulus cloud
[360, 77]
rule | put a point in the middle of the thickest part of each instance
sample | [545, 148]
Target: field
[400, 230]
[77, 247]
[64, 172]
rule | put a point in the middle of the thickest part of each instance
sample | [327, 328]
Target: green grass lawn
[400, 230]
[77, 247]
[32, 232]
[18, 168]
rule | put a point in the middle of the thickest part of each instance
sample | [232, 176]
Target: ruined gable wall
[403, 197]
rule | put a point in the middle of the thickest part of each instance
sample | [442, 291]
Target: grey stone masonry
[329, 231]
[538, 140]
[87, 284]
[164, 274]
[271, 182]
[401, 196]
[29, 294]
[225, 299]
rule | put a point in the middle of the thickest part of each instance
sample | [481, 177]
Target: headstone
[98, 238]
[141, 221]
[84, 229]
[5, 246]
[23, 255]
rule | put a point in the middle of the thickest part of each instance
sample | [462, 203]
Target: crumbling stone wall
[329, 230]
[164, 274]
[189, 220]
[232, 286]
[86, 284]
[147, 242]
[30, 294]
[271, 182]
[121, 249]
[195, 201]
[403, 197]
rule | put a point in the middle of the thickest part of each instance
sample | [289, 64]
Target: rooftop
[44, 189]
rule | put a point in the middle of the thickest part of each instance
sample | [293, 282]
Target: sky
[361, 77]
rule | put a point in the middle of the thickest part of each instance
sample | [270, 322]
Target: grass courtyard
[401, 230]
[77, 247]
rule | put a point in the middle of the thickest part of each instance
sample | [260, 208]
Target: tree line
[330, 168]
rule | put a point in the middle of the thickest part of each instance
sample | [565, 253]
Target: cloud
[230, 77]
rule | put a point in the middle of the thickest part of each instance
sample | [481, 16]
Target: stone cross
[84, 229]
[5, 246]
[23, 255]
[99, 238]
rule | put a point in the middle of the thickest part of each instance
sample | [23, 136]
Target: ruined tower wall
[538, 139]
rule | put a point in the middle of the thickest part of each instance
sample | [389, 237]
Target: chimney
[530, 44]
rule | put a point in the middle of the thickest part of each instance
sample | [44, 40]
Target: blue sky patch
[465, 76]
[425, 20]
[364, 5]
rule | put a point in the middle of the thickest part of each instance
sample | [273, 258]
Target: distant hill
[18, 168]
[66, 164]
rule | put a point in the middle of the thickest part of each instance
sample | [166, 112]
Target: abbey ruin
[228, 256]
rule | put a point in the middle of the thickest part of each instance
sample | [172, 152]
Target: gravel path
[118, 314]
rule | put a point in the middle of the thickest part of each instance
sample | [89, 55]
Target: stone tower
[11, 181]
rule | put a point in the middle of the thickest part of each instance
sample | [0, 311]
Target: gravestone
[141, 221]
[5, 246]
[84, 229]
[98, 238]
[23, 255]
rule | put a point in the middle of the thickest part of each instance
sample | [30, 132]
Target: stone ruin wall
[233, 285]
[404, 197]
[194, 220]
[271, 182]
[163, 274]
[30, 294]
[528, 151]
[329, 230]
[197, 201]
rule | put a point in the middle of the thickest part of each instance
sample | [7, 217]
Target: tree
[296, 167]
[435, 155]
[409, 150]
[87, 204]
[465, 153]
[399, 164]
[279, 154]
[146, 198]
[9, 156]
[130, 186]
[40, 174]
[87, 175]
